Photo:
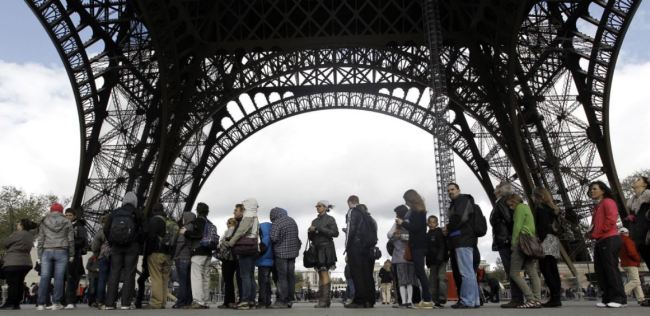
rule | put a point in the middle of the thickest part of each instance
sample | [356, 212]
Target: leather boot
[328, 297]
[323, 296]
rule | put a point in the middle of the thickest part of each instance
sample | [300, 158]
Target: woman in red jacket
[630, 261]
[608, 245]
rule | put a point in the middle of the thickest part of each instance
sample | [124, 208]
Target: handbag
[530, 246]
[408, 256]
[310, 255]
[246, 246]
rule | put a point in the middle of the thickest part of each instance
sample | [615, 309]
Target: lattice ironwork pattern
[518, 90]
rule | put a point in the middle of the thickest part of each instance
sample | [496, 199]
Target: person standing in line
[386, 281]
[249, 228]
[183, 263]
[55, 249]
[501, 221]
[437, 258]
[416, 224]
[200, 259]
[123, 230]
[158, 252]
[638, 220]
[630, 262]
[360, 244]
[546, 213]
[524, 223]
[286, 247]
[463, 242]
[75, 268]
[264, 265]
[92, 275]
[322, 232]
[607, 247]
[17, 261]
[402, 260]
[102, 252]
[229, 262]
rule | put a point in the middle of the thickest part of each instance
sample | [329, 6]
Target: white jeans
[200, 279]
[633, 283]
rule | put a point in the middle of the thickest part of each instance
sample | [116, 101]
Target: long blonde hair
[414, 201]
[542, 196]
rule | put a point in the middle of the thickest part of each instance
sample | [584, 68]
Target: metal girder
[528, 86]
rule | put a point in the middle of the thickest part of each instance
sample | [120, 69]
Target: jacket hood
[250, 207]
[277, 213]
[188, 217]
[55, 222]
[130, 198]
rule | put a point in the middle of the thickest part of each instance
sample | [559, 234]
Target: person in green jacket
[524, 223]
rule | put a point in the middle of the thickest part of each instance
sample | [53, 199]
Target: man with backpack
[202, 241]
[162, 233]
[360, 245]
[123, 230]
[463, 239]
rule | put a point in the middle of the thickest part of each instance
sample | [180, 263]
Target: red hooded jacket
[629, 256]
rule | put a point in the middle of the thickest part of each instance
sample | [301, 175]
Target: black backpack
[479, 223]
[367, 233]
[123, 229]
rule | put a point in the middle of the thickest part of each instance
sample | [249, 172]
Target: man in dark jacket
[437, 257]
[286, 246]
[501, 220]
[76, 267]
[200, 258]
[463, 242]
[123, 230]
[360, 254]
[158, 257]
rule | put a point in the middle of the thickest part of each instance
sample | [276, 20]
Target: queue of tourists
[526, 237]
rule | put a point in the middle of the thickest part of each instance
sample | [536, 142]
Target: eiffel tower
[165, 89]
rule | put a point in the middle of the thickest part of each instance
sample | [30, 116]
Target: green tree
[627, 182]
[15, 205]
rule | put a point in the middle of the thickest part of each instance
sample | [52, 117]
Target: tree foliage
[627, 182]
[15, 204]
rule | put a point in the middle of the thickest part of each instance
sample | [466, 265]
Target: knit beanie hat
[56, 207]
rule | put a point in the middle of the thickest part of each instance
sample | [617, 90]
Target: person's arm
[275, 233]
[329, 229]
[96, 245]
[519, 217]
[39, 243]
[9, 241]
[107, 226]
[244, 226]
[415, 224]
[71, 244]
[195, 232]
[82, 237]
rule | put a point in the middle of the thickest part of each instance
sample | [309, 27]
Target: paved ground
[569, 309]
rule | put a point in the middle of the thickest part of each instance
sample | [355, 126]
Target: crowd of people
[526, 239]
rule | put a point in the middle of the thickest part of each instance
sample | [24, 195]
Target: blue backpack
[210, 237]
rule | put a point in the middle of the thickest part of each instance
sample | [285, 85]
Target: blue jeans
[264, 281]
[247, 270]
[469, 295]
[286, 279]
[183, 268]
[53, 264]
[102, 279]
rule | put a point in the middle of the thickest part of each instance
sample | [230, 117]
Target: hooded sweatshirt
[266, 258]
[55, 232]
[284, 235]
[248, 226]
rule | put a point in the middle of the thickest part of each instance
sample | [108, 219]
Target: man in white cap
[630, 261]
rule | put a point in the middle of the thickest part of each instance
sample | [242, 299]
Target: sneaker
[615, 305]
[243, 306]
[70, 306]
[124, 308]
[438, 305]
[424, 305]
[601, 304]
[196, 305]
[56, 307]
[40, 308]
[108, 308]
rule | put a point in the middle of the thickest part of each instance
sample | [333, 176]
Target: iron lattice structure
[517, 90]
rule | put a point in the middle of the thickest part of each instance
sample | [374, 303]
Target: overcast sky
[291, 164]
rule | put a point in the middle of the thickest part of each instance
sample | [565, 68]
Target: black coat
[195, 235]
[461, 233]
[544, 218]
[501, 220]
[156, 228]
[437, 252]
[416, 224]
